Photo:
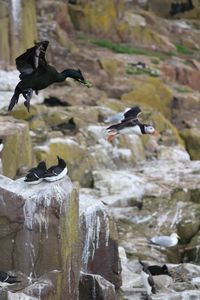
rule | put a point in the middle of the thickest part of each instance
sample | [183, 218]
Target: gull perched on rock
[165, 241]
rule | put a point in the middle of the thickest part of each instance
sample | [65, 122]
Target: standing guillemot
[147, 280]
[130, 125]
[36, 175]
[56, 172]
[156, 270]
[6, 278]
[165, 241]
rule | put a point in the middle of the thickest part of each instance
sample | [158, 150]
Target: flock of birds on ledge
[37, 74]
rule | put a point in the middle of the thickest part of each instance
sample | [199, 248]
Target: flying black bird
[156, 270]
[36, 74]
[6, 278]
[130, 124]
[36, 175]
[56, 172]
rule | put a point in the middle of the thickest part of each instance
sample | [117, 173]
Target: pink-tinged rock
[99, 241]
[183, 74]
[40, 235]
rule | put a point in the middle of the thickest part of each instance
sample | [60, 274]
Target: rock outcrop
[40, 236]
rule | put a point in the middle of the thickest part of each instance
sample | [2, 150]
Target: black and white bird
[130, 124]
[56, 172]
[147, 280]
[6, 278]
[1, 145]
[156, 270]
[116, 118]
[36, 175]
[165, 241]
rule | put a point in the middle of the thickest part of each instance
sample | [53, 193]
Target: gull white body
[57, 177]
[165, 241]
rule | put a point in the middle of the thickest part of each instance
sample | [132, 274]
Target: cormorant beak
[178, 237]
[85, 82]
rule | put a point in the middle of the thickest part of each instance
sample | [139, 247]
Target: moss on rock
[191, 137]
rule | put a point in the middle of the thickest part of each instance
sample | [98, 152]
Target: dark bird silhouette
[36, 175]
[130, 124]
[67, 127]
[180, 7]
[54, 101]
[156, 270]
[56, 172]
[5, 277]
[36, 74]
[147, 280]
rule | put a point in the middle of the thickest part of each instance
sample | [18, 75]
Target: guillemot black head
[42, 165]
[61, 162]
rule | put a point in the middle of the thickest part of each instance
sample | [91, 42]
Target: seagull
[6, 278]
[156, 270]
[56, 172]
[165, 241]
[130, 124]
[147, 280]
[36, 175]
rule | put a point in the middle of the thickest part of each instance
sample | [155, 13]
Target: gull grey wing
[162, 240]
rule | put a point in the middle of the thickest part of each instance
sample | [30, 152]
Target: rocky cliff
[149, 183]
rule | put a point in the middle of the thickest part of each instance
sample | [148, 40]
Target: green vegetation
[155, 61]
[183, 50]
[132, 70]
[180, 89]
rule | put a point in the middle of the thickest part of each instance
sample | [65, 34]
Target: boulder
[17, 151]
[99, 241]
[95, 287]
[191, 137]
[41, 222]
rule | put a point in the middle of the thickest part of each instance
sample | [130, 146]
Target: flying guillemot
[56, 172]
[130, 124]
[36, 175]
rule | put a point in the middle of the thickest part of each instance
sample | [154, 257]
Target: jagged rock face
[99, 241]
[39, 234]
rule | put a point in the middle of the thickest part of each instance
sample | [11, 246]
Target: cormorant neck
[69, 73]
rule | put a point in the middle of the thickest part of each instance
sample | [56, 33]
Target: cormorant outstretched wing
[33, 57]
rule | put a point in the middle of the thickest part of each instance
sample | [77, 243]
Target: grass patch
[132, 70]
[118, 48]
[183, 50]
[182, 90]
